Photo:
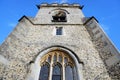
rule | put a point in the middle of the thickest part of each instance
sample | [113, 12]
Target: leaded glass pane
[74, 74]
[56, 73]
[60, 58]
[55, 58]
[59, 31]
[68, 73]
[49, 59]
[56, 77]
[44, 72]
[65, 60]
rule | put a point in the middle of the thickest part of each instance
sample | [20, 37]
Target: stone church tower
[59, 43]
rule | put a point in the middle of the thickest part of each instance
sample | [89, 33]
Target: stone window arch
[60, 63]
[63, 57]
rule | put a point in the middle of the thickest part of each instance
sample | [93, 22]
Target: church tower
[59, 43]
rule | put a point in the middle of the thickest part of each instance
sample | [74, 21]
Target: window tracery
[59, 63]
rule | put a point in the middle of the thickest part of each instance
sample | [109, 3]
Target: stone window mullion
[51, 67]
[63, 68]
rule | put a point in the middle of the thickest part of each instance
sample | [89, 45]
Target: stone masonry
[82, 35]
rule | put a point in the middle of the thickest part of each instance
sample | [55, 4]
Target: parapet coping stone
[59, 5]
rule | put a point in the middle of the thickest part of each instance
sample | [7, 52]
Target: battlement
[59, 5]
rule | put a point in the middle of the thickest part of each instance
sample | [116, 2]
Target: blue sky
[107, 13]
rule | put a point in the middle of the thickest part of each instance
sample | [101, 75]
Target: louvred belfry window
[57, 65]
[59, 16]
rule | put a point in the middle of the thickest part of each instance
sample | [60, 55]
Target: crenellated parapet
[59, 5]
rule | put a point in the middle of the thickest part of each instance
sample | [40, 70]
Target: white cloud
[60, 1]
[12, 24]
[63, 1]
[55, 2]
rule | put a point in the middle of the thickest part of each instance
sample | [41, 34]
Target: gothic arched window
[68, 73]
[44, 72]
[57, 65]
[56, 74]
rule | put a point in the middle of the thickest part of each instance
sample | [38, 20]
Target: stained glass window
[55, 58]
[56, 73]
[44, 72]
[49, 59]
[68, 73]
[65, 60]
[60, 58]
[53, 68]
